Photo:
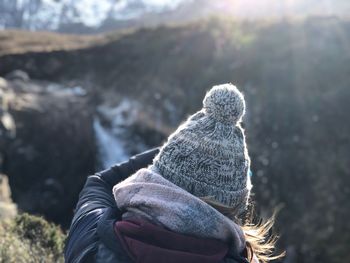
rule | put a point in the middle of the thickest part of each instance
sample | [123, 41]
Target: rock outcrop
[7, 208]
[52, 150]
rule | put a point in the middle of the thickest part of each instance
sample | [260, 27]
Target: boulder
[18, 75]
[7, 208]
[3, 83]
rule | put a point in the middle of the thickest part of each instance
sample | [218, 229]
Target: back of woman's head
[208, 157]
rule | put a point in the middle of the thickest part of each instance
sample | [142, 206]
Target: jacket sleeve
[94, 199]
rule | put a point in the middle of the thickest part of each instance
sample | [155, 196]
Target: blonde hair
[260, 241]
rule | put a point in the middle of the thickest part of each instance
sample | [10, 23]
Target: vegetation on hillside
[30, 239]
[19, 41]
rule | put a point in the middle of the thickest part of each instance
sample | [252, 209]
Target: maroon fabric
[148, 243]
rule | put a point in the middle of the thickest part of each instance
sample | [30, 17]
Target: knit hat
[207, 155]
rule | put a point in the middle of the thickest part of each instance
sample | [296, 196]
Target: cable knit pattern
[207, 155]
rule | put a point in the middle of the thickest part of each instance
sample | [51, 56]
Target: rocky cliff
[53, 148]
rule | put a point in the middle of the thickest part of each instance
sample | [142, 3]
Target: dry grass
[18, 41]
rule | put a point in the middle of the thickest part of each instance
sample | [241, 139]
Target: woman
[185, 206]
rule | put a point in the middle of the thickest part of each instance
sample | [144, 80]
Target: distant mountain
[93, 16]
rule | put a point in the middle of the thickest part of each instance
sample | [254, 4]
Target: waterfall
[110, 148]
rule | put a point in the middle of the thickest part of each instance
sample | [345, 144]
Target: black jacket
[96, 212]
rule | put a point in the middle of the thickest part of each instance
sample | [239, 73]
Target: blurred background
[85, 84]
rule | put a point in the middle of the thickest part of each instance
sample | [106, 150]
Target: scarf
[147, 195]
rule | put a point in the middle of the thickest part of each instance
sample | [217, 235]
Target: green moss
[28, 238]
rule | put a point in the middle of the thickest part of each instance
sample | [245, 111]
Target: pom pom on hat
[224, 103]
